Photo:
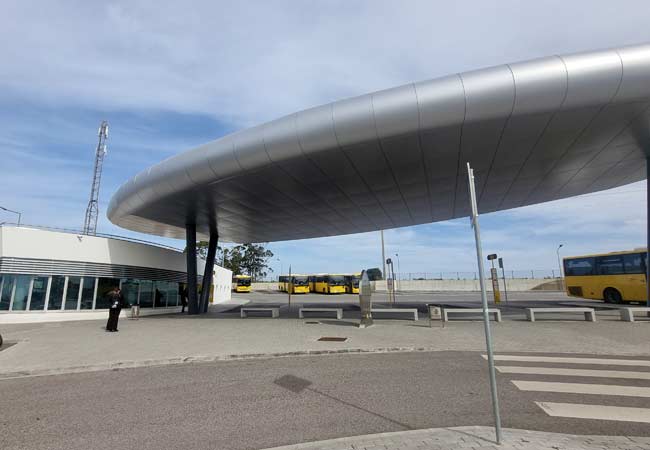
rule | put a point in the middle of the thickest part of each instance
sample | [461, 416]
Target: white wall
[23, 242]
[222, 281]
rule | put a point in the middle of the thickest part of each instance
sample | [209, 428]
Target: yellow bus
[613, 277]
[327, 284]
[282, 283]
[352, 283]
[241, 283]
[296, 284]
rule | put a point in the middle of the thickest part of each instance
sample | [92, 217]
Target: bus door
[635, 272]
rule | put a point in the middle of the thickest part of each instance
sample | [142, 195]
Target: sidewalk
[472, 438]
[51, 348]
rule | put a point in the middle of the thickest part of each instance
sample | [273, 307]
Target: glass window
[146, 293]
[578, 266]
[6, 286]
[87, 293]
[160, 294]
[104, 286]
[39, 289]
[56, 292]
[130, 290]
[21, 292]
[72, 294]
[610, 265]
[634, 263]
[173, 299]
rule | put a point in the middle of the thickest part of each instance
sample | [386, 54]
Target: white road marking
[575, 372]
[579, 388]
[600, 412]
[566, 360]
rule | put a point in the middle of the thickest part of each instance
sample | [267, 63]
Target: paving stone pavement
[474, 437]
[69, 347]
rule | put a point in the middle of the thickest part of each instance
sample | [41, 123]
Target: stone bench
[413, 311]
[275, 311]
[590, 313]
[447, 311]
[338, 311]
[627, 314]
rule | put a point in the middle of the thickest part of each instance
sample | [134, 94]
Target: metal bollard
[365, 301]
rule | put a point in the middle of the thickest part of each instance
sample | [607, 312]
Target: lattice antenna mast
[92, 212]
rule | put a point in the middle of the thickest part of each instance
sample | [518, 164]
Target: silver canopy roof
[533, 131]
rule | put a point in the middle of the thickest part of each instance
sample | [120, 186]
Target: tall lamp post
[11, 211]
[399, 270]
[559, 265]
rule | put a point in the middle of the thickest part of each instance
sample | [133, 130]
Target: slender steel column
[190, 244]
[208, 271]
[647, 224]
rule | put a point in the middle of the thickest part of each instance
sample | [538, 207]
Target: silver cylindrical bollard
[365, 301]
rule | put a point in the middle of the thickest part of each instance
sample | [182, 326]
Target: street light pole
[383, 255]
[559, 265]
[11, 211]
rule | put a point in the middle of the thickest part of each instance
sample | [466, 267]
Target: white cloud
[245, 62]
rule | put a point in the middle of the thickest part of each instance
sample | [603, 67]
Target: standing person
[117, 301]
[183, 299]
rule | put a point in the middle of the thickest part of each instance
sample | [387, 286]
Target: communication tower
[92, 212]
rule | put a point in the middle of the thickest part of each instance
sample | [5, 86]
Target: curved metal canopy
[533, 131]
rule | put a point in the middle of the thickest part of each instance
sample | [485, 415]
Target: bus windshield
[336, 280]
[300, 281]
[243, 281]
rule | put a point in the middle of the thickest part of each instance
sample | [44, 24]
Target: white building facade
[51, 276]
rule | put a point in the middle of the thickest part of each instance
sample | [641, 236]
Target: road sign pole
[486, 316]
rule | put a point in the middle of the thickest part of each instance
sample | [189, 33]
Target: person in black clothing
[117, 302]
[183, 299]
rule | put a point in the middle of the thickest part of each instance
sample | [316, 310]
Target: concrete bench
[447, 311]
[338, 311]
[627, 314]
[275, 311]
[590, 314]
[413, 311]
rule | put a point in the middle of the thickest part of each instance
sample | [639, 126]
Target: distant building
[51, 275]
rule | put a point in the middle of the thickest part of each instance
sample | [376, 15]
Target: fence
[533, 274]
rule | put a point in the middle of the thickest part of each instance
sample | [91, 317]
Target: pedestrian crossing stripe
[574, 372]
[580, 388]
[567, 360]
[598, 412]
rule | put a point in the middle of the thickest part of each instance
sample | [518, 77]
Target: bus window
[578, 267]
[610, 265]
[634, 263]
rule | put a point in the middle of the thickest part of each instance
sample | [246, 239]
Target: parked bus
[296, 284]
[352, 283]
[282, 283]
[327, 284]
[241, 283]
[613, 277]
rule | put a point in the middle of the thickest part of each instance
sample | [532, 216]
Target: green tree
[255, 260]
[246, 259]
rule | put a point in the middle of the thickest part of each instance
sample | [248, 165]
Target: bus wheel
[611, 295]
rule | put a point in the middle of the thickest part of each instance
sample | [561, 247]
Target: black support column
[208, 272]
[190, 245]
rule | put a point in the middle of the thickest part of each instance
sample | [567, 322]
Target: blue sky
[168, 78]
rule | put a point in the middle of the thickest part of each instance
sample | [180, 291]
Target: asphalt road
[264, 403]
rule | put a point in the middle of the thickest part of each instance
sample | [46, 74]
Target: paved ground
[265, 403]
[474, 437]
[83, 346]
